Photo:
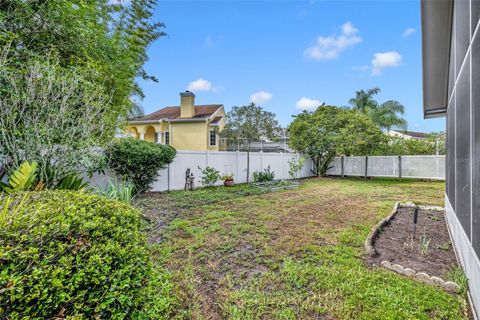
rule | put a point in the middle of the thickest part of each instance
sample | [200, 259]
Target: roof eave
[144, 121]
[188, 120]
[436, 37]
[213, 115]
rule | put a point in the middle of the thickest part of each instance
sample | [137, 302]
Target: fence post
[283, 165]
[366, 167]
[168, 177]
[236, 167]
[343, 166]
[261, 160]
[400, 167]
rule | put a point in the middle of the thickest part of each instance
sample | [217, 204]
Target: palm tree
[386, 115]
[364, 99]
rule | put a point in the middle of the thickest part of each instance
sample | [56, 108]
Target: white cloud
[260, 97]
[382, 60]
[308, 104]
[330, 47]
[408, 32]
[200, 85]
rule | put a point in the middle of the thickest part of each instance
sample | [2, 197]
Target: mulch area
[395, 244]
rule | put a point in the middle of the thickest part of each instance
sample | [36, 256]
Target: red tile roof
[170, 113]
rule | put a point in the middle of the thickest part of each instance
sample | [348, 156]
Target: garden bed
[430, 251]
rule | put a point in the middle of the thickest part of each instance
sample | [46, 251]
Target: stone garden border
[420, 276]
[373, 233]
[423, 277]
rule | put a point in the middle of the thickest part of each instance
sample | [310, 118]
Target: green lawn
[297, 254]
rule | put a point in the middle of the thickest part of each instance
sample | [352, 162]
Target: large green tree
[330, 131]
[110, 37]
[386, 115]
[249, 123]
[68, 75]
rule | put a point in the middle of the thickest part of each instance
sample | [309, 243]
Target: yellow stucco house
[185, 127]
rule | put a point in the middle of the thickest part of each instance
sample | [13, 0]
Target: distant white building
[407, 134]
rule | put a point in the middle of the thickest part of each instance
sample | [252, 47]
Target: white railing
[421, 167]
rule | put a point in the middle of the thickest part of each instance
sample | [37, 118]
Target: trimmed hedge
[76, 255]
[138, 160]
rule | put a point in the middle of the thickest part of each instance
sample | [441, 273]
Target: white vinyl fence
[173, 177]
[422, 167]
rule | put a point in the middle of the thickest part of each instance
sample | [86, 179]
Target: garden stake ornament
[415, 219]
[189, 180]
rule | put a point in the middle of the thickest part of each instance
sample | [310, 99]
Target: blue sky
[288, 55]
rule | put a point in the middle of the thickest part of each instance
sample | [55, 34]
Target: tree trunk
[317, 167]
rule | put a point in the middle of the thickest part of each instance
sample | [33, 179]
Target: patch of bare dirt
[430, 251]
[302, 223]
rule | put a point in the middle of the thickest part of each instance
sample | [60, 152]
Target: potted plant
[228, 180]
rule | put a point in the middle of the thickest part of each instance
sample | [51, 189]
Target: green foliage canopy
[53, 116]
[110, 37]
[250, 123]
[397, 146]
[329, 131]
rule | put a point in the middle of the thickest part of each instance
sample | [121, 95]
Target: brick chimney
[187, 104]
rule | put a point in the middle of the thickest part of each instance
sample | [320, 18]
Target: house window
[213, 138]
[167, 137]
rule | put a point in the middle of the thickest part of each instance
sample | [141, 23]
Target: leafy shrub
[139, 161]
[264, 176]
[397, 146]
[71, 181]
[76, 255]
[295, 166]
[25, 178]
[209, 176]
[121, 191]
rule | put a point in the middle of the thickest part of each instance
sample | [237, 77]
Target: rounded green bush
[138, 160]
[73, 255]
